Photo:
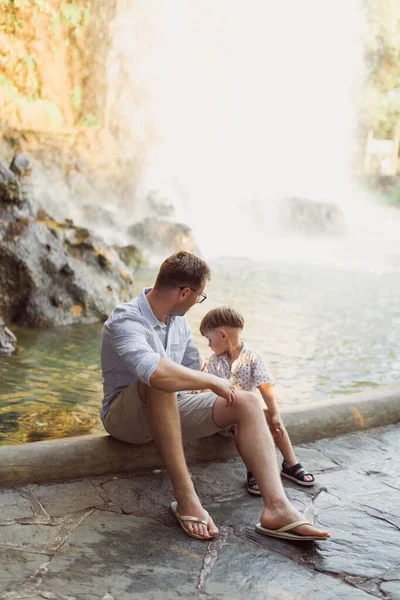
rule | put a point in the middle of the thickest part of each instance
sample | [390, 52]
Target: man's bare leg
[258, 453]
[282, 442]
[165, 426]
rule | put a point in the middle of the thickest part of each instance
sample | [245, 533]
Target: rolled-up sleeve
[129, 341]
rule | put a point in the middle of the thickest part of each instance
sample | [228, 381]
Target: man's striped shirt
[132, 346]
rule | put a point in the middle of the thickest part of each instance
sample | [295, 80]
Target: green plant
[52, 111]
[71, 14]
[76, 98]
[379, 102]
[45, 7]
[89, 120]
[86, 14]
[394, 197]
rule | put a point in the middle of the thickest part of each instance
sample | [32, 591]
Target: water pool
[324, 331]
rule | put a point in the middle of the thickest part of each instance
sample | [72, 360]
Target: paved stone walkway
[112, 538]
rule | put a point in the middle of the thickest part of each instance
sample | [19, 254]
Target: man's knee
[249, 403]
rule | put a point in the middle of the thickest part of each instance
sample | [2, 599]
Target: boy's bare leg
[258, 453]
[164, 423]
[285, 446]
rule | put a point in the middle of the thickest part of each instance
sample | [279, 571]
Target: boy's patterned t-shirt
[248, 371]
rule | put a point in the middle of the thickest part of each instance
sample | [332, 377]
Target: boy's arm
[267, 392]
[273, 416]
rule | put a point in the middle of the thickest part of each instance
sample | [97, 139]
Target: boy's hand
[275, 425]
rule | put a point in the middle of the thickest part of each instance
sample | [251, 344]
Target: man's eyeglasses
[200, 297]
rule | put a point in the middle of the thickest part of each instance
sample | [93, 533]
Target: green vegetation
[52, 111]
[24, 75]
[380, 99]
[76, 98]
[71, 14]
[89, 120]
[394, 197]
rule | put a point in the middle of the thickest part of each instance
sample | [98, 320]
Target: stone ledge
[90, 455]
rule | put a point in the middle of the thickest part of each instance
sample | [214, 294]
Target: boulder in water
[299, 215]
[7, 339]
[52, 273]
[159, 236]
[131, 256]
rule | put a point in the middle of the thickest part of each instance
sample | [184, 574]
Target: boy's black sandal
[251, 483]
[297, 474]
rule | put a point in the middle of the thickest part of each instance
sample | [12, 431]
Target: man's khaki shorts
[126, 418]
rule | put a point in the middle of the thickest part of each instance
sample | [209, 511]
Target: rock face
[159, 236]
[52, 273]
[299, 215]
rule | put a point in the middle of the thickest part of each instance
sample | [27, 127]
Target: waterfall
[223, 107]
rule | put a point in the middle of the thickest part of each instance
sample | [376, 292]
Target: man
[147, 356]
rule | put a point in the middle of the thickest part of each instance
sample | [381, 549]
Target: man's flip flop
[282, 532]
[181, 518]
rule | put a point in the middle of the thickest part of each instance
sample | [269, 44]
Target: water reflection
[323, 331]
[52, 386]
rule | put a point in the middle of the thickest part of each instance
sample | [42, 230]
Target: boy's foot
[252, 486]
[298, 474]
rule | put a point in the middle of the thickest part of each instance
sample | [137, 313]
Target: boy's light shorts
[126, 418]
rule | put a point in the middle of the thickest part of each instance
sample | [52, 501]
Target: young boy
[233, 360]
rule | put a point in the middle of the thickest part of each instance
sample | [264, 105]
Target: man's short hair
[182, 269]
[224, 316]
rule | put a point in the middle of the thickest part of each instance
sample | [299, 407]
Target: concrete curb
[90, 455]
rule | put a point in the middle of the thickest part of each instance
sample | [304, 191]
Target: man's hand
[275, 425]
[223, 388]
[171, 377]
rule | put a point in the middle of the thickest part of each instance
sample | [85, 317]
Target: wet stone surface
[113, 538]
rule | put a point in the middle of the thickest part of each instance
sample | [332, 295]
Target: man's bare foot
[285, 517]
[191, 507]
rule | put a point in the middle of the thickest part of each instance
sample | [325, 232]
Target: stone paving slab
[113, 537]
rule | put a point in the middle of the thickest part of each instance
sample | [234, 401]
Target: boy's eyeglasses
[200, 297]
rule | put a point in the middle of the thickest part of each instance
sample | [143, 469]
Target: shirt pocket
[176, 352]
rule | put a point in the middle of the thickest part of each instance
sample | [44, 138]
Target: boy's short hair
[224, 316]
[182, 269]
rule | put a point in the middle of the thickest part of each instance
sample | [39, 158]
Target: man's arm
[171, 377]
[128, 340]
